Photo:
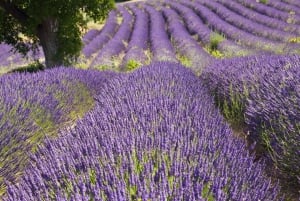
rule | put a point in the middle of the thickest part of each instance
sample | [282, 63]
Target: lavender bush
[185, 44]
[283, 6]
[90, 35]
[260, 18]
[238, 35]
[139, 41]
[292, 2]
[265, 92]
[198, 28]
[272, 12]
[247, 24]
[116, 45]
[154, 134]
[107, 32]
[161, 47]
[35, 106]
[10, 60]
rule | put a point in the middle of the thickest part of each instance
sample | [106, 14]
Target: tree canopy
[55, 25]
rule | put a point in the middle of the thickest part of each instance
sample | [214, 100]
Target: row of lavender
[265, 92]
[154, 134]
[245, 30]
[34, 106]
[142, 32]
[285, 11]
[10, 60]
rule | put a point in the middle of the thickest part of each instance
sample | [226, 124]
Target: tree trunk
[47, 33]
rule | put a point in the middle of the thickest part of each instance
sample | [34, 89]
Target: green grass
[215, 39]
[132, 65]
[184, 60]
[212, 47]
[263, 1]
[206, 192]
[294, 40]
[232, 108]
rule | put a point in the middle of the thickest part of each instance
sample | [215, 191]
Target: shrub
[132, 65]
[263, 1]
[268, 90]
[35, 106]
[154, 134]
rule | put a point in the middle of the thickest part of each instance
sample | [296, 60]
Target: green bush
[263, 1]
[132, 65]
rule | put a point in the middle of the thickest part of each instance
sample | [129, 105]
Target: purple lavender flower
[260, 18]
[106, 33]
[34, 106]
[161, 47]
[117, 44]
[268, 89]
[90, 35]
[139, 41]
[272, 12]
[153, 134]
[184, 43]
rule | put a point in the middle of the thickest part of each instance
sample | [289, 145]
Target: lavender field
[169, 100]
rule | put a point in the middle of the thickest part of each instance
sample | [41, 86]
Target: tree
[55, 25]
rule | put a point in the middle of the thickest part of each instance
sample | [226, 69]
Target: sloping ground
[35, 106]
[146, 123]
[262, 94]
[156, 133]
[218, 28]
[153, 134]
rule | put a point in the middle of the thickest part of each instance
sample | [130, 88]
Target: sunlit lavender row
[266, 90]
[204, 127]
[34, 106]
[187, 47]
[291, 15]
[219, 28]
[138, 47]
[154, 134]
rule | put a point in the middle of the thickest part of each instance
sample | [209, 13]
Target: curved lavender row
[284, 6]
[8, 57]
[260, 18]
[33, 106]
[117, 44]
[154, 135]
[161, 47]
[184, 43]
[234, 33]
[90, 35]
[246, 24]
[292, 2]
[272, 12]
[197, 27]
[106, 33]
[244, 71]
[194, 24]
[275, 109]
[268, 88]
[138, 43]
[4, 49]
[10, 60]
[139, 36]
